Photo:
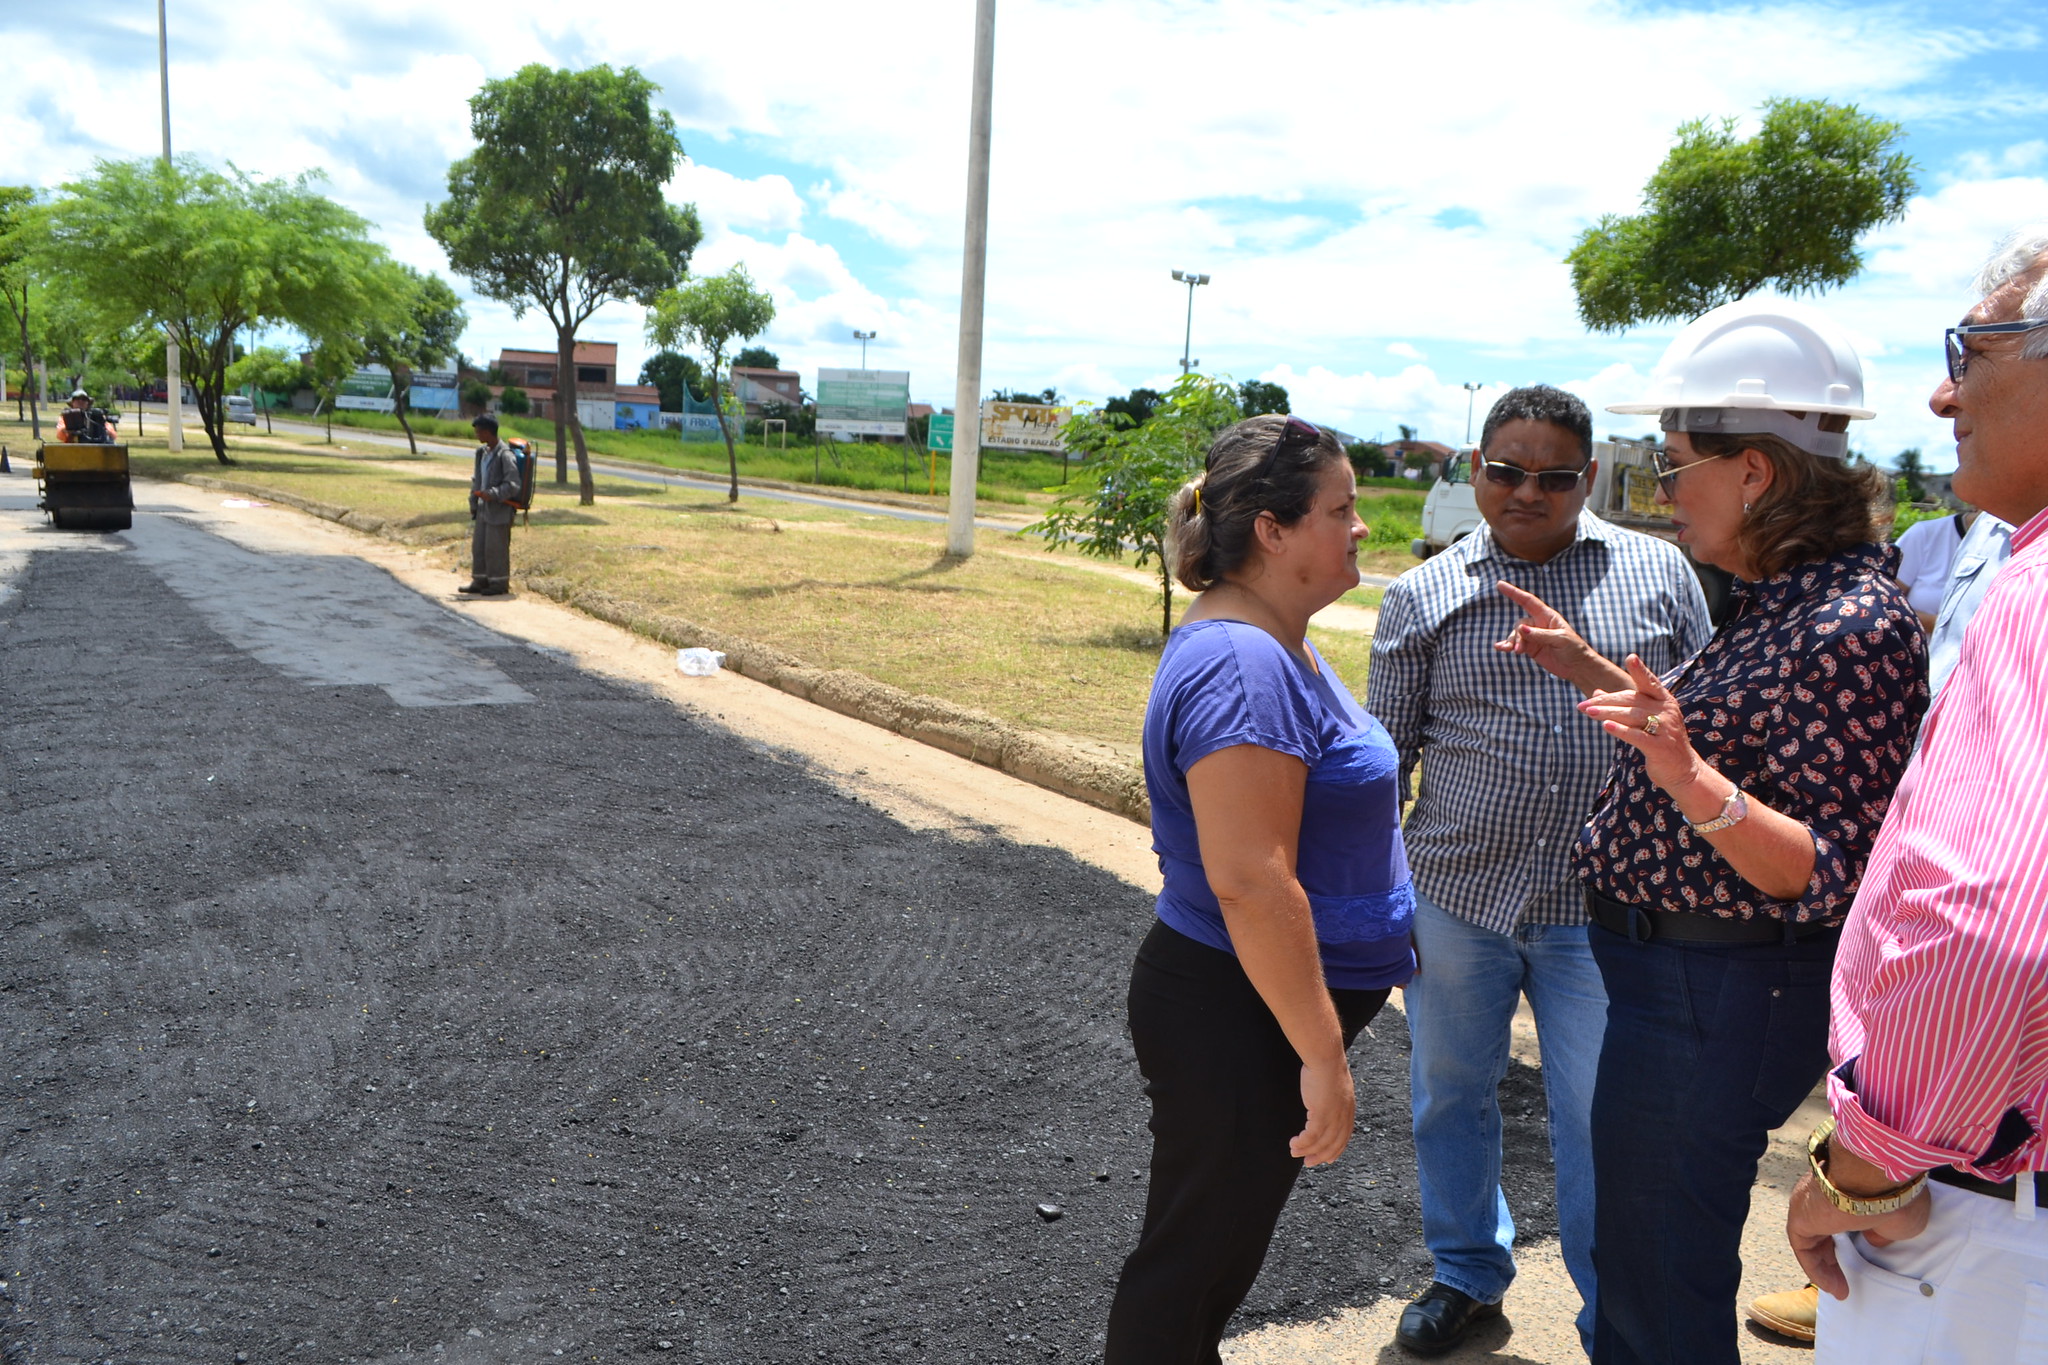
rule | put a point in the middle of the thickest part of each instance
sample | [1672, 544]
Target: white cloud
[1415, 215]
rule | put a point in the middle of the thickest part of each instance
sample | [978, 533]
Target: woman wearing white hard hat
[1747, 789]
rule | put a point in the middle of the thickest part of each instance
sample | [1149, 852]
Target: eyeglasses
[1667, 473]
[1959, 354]
[1549, 480]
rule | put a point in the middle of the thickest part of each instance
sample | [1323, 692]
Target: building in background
[597, 381]
[638, 407]
[758, 388]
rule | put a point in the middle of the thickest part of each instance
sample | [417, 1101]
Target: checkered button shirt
[1510, 768]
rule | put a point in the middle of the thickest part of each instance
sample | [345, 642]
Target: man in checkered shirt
[1509, 771]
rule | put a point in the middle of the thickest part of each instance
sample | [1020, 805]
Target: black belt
[2006, 1190]
[1680, 927]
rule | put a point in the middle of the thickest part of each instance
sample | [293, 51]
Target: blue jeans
[1459, 1006]
[1709, 1047]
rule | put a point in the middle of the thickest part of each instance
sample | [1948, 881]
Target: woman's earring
[1745, 509]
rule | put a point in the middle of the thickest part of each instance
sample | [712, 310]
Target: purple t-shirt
[1225, 683]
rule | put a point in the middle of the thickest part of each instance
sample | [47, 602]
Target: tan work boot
[1790, 1314]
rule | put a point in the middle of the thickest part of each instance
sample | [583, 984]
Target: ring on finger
[1650, 725]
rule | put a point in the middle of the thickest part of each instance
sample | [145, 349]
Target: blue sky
[1383, 192]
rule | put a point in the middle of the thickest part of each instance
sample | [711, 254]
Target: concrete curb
[1099, 777]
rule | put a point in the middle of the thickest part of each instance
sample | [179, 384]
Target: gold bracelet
[1856, 1206]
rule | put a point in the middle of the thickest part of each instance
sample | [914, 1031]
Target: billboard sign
[367, 390]
[1023, 426]
[863, 402]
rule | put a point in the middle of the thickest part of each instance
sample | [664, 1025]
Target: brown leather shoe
[1790, 1314]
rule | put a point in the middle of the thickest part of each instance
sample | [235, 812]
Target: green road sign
[942, 431]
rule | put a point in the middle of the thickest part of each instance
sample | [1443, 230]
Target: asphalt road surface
[379, 988]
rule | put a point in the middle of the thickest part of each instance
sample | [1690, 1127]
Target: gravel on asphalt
[348, 1031]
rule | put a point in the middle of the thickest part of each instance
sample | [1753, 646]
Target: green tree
[1724, 217]
[1258, 398]
[332, 360]
[19, 289]
[1369, 459]
[1121, 499]
[1136, 405]
[267, 369]
[675, 374]
[419, 333]
[513, 401]
[476, 395]
[205, 256]
[560, 208]
[710, 315]
[1909, 467]
[756, 358]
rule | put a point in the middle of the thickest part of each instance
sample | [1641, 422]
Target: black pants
[1225, 1088]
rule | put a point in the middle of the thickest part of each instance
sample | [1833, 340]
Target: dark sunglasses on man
[1959, 354]
[1549, 480]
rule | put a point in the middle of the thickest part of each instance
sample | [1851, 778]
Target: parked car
[237, 408]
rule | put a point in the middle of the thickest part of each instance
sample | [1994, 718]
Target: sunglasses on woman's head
[1295, 436]
[1549, 480]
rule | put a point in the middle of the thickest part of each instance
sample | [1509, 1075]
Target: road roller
[85, 486]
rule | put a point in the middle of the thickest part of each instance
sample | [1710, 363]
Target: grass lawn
[1044, 638]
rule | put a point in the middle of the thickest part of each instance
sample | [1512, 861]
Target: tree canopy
[560, 208]
[757, 358]
[420, 332]
[675, 374]
[710, 315]
[1259, 398]
[1724, 217]
[206, 255]
[1125, 491]
[1137, 406]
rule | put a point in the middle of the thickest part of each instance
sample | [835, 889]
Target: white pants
[1971, 1290]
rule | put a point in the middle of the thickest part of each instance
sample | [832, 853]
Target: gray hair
[2018, 254]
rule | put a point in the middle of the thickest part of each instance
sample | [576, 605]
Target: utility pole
[174, 382]
[863, 338]
[1471, 392]
[1191, 279]
[973, 285]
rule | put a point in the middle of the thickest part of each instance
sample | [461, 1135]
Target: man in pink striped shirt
[1918, 1216]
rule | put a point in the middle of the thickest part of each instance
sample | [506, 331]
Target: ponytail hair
[1260, 465]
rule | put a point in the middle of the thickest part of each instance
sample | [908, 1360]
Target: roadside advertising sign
[863, 402]
[1022, 426]
[941, 436]
[365, 391]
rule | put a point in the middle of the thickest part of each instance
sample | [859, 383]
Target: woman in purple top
[1284, 920]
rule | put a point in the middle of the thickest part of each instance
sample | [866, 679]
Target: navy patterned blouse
[1809, 698]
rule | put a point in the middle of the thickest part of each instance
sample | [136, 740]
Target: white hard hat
[1755, 367]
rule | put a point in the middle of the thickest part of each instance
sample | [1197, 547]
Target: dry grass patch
[1041, 638]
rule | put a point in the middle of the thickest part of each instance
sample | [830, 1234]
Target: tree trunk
[28, 374]
[567, 416]
[1165, 600]
[565, 356]
[732, 458]
[212, 384]
[401, 396]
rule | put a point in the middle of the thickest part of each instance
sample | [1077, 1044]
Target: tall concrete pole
[973, 282]
[174, 383]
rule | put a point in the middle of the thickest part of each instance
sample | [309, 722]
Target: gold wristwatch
[1856, 1206]
[1733, 812]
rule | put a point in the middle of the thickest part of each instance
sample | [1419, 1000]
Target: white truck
[1624, 492]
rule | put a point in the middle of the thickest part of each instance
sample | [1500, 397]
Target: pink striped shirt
[1941, 982]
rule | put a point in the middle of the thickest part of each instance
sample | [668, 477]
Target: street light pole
[1471, 392]
[1191, 279]
[174, 381]
[973, 284]
[863, 338]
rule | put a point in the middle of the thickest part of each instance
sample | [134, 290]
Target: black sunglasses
[1549, 480]
[1959, 354]
[1295, 436]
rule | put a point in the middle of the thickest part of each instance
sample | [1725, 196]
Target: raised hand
[1546, 638]
[1646, 715]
